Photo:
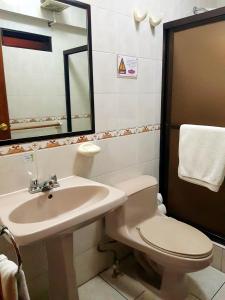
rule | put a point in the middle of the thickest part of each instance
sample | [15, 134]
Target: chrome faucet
[45, 186]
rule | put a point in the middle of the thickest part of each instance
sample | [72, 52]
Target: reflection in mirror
[76, 78]
[45, 70]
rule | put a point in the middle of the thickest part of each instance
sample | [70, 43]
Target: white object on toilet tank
[161, 206]
[162, 209]
[159, 198]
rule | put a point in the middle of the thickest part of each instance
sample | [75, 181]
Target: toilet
[175, 247]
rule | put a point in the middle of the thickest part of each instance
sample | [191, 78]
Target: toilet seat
[174, 237]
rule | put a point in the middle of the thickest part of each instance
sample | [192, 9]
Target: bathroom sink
[51, 205]
[77, 201]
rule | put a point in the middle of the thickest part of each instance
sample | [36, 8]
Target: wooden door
[4, 113]
[194, 93]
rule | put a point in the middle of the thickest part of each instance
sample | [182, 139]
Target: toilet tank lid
[137, 184]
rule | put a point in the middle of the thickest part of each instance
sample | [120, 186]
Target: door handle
[3, 127]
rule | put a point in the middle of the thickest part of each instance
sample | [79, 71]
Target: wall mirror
[46, 78]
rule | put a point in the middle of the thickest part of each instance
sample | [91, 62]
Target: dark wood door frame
[4, 112]
[169, 29]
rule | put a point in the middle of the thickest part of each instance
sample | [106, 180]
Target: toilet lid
[174, 237]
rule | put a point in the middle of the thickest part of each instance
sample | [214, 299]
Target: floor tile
[191, 297]
[220, 295]
[125, 285]
[148, 295]
[205, 284]
[98, 289]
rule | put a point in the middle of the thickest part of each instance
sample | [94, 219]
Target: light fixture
[154, 21]
[139, 17]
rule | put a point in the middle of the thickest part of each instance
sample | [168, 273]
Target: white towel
[202, 155]
[12, 284]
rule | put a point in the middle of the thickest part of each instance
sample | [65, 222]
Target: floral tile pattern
[48, 118]
[15, 149]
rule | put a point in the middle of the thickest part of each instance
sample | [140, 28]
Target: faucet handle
[55, 180]
[34, 185]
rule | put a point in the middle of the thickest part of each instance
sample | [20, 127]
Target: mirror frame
[87, 7]
[66, 54]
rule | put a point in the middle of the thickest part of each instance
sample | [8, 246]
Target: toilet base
[152, 274]
[173, 286]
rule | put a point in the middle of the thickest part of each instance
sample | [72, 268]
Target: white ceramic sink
[53, 216]
[53, 204]
[42, 215]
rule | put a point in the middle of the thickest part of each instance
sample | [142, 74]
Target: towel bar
[6, 231]
[175, 126]
[35, 125]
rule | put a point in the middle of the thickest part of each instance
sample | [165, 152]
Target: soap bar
[88, 149]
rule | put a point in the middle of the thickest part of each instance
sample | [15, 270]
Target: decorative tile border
[48, 118]
[15, 149]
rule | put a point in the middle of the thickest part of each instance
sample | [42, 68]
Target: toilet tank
[142, 199]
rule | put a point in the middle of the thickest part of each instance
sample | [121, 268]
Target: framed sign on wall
[127, 66]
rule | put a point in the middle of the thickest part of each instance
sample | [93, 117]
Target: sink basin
[32, 217]
[51, 205]
[53, 216]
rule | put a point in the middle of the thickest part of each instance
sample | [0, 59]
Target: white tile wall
[88, 237]
[128, 110]
[90, 263]
[217, 257]
[106, 112]
[146, 109]
[209, 3]
[105, 27]
[223, 261]
[104, 65]
[119, 103]
[220, 3]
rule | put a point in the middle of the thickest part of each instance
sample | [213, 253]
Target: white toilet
[175, 247]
